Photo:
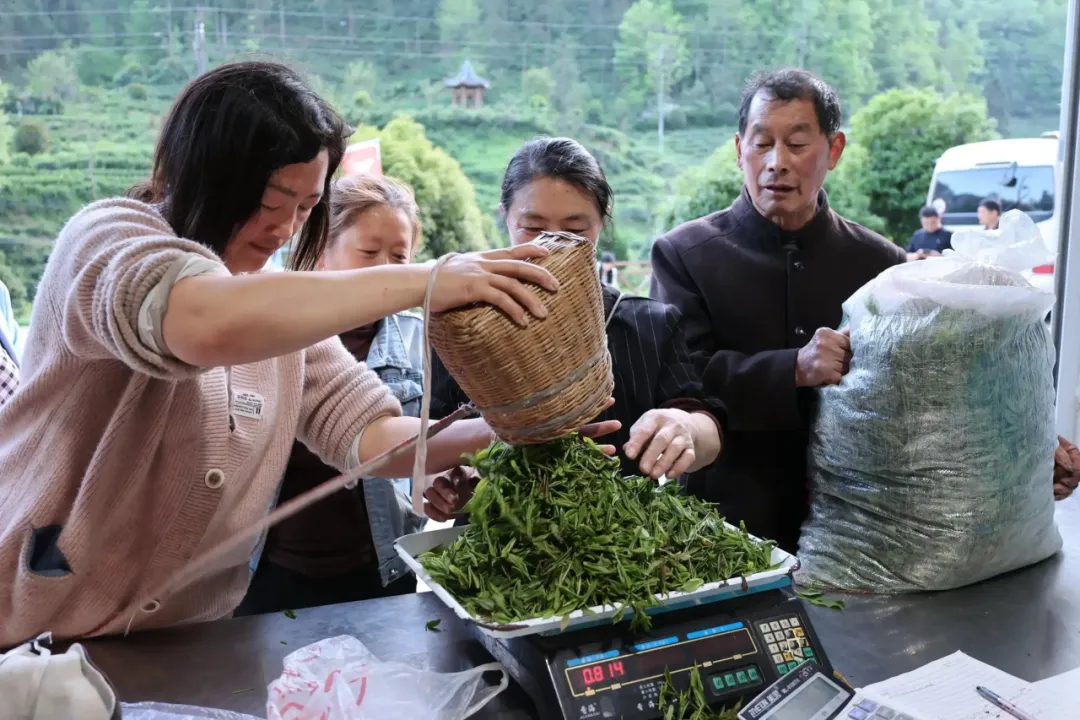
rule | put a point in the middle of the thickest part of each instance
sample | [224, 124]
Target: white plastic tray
[412, 546]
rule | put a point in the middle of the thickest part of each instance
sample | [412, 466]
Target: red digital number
[593, 675]
[616, 669]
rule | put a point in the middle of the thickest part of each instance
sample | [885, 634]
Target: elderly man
[760, 287]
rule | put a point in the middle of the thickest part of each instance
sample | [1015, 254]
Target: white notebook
[945, 690]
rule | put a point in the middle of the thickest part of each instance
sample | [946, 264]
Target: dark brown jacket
[750, 295]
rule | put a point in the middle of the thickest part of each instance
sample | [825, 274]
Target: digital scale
[742, 646]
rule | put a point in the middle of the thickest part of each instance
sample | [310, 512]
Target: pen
[1003, 704]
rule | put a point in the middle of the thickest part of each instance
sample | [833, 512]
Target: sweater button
[214, 479]
[799, 332]
[151, 607]
[799, 265]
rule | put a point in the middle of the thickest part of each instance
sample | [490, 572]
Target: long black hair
[226, 134]
[561, 159]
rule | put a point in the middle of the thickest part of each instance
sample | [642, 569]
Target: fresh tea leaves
[690, 704]
[817, 597]
[554, 529]
[433, 625]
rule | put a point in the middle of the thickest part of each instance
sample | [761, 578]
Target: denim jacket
[396, 356]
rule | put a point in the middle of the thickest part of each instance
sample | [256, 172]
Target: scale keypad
[786, 643]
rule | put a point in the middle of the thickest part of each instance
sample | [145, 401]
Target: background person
[165, 378]
[609, 274]
[342, 548]
[989, 213]
[760, 287]
[668, 426]
[932, 239]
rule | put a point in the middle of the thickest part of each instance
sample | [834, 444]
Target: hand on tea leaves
[449, 493]
[666, 442]
[1066, 469]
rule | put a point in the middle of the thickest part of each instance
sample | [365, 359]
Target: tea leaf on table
[816, 597]
[290, 614]
[241, 691]
[433, 625]
[554, 528]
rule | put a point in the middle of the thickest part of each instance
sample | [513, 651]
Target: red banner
[363, 158]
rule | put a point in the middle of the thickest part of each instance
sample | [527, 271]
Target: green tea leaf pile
[554, 529]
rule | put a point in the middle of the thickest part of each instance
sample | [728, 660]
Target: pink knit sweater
[127, 458]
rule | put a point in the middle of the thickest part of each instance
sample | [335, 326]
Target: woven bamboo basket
[540, 382]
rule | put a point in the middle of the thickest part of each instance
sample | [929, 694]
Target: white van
[1018, 173]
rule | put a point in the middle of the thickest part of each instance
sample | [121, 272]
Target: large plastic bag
[339, 679]
[164, 711]
[931, 464]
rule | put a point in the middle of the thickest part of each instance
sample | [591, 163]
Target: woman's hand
[496, 277]
[669, 442]
[1066, 469]
[449, 492]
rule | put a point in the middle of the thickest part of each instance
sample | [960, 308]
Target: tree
[904, 132]
[6, 131]
[706, 188]
[146, 26]
[652, 52]
[459, 22]
[451, 219]
[848, 191]
[361, 75]
[97, 66]
[51, 75]
[31, 138]
[904, 45]
[842, 56]
[538, 82]
[1023, 46]
[959, 51]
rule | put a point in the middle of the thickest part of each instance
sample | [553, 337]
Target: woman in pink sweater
[165, 378]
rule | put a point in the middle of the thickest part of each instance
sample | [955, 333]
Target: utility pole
[660, 74]
[199, 45]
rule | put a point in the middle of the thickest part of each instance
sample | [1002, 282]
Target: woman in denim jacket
[341, 549]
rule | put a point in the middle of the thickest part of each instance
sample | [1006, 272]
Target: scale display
[648, 660]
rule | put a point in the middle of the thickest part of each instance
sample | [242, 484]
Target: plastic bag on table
[931, 464]
[340, 679]
[163, 711]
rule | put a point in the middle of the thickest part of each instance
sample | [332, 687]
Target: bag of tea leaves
[931, 463]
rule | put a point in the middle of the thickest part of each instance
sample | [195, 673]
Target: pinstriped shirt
[649, 360]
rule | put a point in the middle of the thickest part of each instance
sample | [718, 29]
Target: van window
[1030, 189]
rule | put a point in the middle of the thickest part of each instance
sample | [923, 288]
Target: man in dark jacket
[932, 240]
[760, 287]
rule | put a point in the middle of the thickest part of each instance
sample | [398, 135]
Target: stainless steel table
[1026, 623]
